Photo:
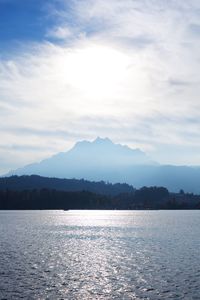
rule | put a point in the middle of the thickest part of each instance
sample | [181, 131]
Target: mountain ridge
[86, 153]
[101, 159]
[35, 182]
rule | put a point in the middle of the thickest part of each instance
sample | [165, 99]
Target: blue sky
[21, 21]
[73, 70]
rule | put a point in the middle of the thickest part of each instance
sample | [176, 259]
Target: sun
[97, 70]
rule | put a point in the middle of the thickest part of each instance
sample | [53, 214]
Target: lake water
[100, 255]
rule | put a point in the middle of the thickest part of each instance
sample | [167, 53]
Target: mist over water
[99, 254]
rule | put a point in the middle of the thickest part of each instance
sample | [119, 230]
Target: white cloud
[127, 70]
[60, 33]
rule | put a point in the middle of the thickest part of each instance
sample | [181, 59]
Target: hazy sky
[77, 69]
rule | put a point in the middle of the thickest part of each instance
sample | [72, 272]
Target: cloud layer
[124, 69]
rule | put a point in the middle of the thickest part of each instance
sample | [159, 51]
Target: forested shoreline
[14, 196]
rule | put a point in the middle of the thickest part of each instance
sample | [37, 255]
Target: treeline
[51, 199]
[36, 192]
[20, 183]
[145, 198]
[54, 199]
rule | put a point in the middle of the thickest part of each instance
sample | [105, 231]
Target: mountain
[95, 160]
[104, 160]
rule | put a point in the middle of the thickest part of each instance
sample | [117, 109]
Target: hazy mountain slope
[104, 160]
[96, 160]
[173, 178]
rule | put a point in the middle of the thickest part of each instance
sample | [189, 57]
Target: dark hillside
[18, 183]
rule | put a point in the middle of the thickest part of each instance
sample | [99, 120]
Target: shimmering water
[100, 255]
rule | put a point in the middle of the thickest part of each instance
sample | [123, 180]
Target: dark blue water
[100, 255]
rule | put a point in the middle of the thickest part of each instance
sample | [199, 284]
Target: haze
[73, 70]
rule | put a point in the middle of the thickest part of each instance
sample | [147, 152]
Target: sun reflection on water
[99, 255]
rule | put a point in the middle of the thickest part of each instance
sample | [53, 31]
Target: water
[99, 255]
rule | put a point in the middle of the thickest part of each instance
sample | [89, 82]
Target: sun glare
[97, 70]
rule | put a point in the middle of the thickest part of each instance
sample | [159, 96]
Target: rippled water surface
[100, 255]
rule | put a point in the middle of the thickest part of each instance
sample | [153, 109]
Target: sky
[73, 70]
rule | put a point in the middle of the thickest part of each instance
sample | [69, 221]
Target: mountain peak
[90, 160]
[100, 140]
[97, 142]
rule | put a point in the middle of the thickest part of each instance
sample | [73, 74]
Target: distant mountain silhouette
[88, 160]
[104, 160]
